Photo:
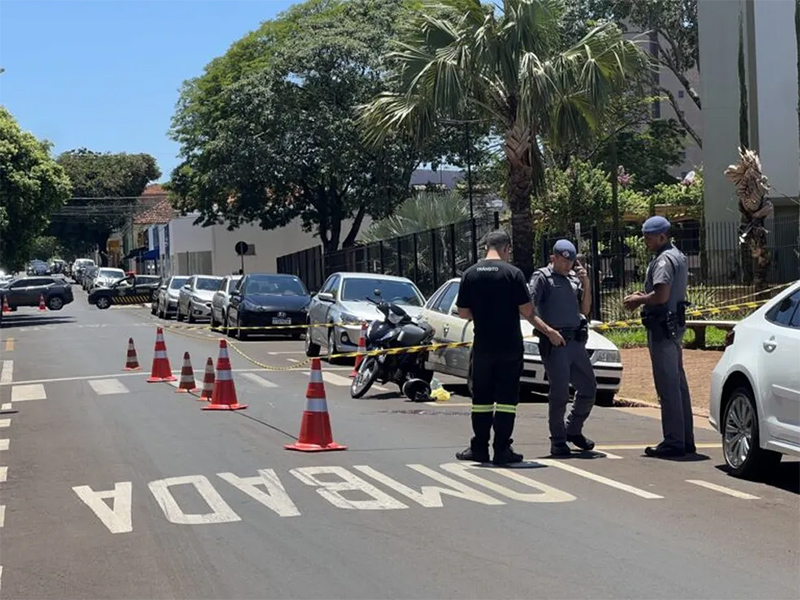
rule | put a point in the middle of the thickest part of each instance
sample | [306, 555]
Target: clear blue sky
[105, 74]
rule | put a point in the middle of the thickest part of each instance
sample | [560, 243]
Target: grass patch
[636, 337]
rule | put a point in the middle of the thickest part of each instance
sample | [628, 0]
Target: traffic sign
[241, 248]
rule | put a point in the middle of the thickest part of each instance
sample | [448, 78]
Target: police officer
[663, 305]
[561, 298]
[493, 294]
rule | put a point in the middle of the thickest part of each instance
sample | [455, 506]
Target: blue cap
[656, 225]
[566, 249]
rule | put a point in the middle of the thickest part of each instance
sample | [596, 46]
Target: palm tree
[504, 63]
[422, 211]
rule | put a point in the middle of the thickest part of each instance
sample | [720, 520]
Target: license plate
[277, 321]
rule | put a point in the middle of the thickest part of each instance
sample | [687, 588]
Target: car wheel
[332, 350]
[55, 303]
[312, 349]
[740, 437]
[103, 302]
[604, 399]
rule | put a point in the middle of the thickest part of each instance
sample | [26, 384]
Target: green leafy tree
[32, 186]
[508, 64]
[45, 247]
[580, 193]
[420, 212]
[286, 143]
[104, 189]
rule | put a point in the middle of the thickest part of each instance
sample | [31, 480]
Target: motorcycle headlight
[531, 348]
[606, 356]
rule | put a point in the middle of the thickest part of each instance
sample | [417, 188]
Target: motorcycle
[397, 329]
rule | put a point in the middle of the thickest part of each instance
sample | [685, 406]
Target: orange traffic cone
[6, 307]
[362, 349]
[42, 305]
[208, 381]
[224, 395]
[132, 363]
[315, 429]
[187, 384]
[161, 370]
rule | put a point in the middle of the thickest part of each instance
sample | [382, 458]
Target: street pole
[473, 229]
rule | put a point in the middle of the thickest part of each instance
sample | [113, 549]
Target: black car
[134, 289]
[268, 300]
[28, 291]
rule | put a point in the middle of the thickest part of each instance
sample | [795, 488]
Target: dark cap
[566, 249]
[656, 225]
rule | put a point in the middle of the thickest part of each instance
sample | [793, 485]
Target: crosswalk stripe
[337, 380]
[4, 444]
[2, 515]
[5, 423]
[3, 474]
[600, 479]
[259, 380]
[5, 406]
[106, 387]
[23, 393]
[722, 489]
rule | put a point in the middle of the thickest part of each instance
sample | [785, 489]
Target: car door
[17, 293]
[778, 369]
[185, 294]
[318, 310]
[449, 327]
[37, 287]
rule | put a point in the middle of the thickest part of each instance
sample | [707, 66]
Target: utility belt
[662, 323]
[578, 334]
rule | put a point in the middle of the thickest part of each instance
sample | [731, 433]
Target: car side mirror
[454, 310]
[326, 296]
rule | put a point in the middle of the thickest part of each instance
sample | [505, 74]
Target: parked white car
[221, 299]
[441, 312]
[194, 298]
[755, 387]
[342, 301]
[106, 277]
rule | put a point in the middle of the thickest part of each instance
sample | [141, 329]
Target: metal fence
[720, 268]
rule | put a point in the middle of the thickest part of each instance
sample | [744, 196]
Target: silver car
[194, 299]
[221, 299]
[337, 311]
[106, 277]
[168, 297]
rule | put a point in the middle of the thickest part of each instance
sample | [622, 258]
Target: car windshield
[112, 273]
[276, 285]
[178, 282]
[207, 283]
[399, 292]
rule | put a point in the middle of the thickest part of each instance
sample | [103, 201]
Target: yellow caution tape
[689, 313]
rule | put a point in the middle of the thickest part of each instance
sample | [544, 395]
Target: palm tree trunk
[520, 187]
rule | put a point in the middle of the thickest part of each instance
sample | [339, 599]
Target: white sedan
[440, 311]
[755, 387]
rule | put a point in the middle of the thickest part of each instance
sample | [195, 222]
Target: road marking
[1, 577]
[138, 374]
[4, 444]
[117, 517]
[7, 374]
[275, 498]
[5, 406]
[259, 380]
[2, 515]
[722, 489]
[284, 352]
[293, 360]
[106, 387]
[9, 344]
[5, 423]
[642, 446]
[430, 496]
[220, 511]
[611, 456]
[332, 490]
[545, 493]
[3, 474]
[337, 380]
[24, 393]
[600, 479]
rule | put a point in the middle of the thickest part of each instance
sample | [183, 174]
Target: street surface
[112, 487]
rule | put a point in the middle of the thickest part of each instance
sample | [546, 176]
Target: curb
[636, 403]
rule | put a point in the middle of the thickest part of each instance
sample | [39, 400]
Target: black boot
[581, 441]
[473, 454]
[559, 449]
[505, 455]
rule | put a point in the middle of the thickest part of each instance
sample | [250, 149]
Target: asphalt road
[112, 487]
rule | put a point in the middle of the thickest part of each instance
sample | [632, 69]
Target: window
[275, 285]
[784, 313]
[331, 284]
[208, 284]
[399, 292]
[446, 300]
[232, 284]
[178, 282]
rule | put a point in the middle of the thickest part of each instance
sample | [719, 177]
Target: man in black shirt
[493, 294]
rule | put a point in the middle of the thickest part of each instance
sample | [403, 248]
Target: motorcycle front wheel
[365, 377]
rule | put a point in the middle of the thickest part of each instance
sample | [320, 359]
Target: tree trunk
[520, 186]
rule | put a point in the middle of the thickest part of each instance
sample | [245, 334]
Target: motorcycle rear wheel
[365, 377]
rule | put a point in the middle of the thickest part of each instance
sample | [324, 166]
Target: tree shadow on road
[16, 321]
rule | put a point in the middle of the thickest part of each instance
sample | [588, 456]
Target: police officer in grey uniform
[663, 305]
[562, 299]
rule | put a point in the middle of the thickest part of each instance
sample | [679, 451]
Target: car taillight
[729, 337]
